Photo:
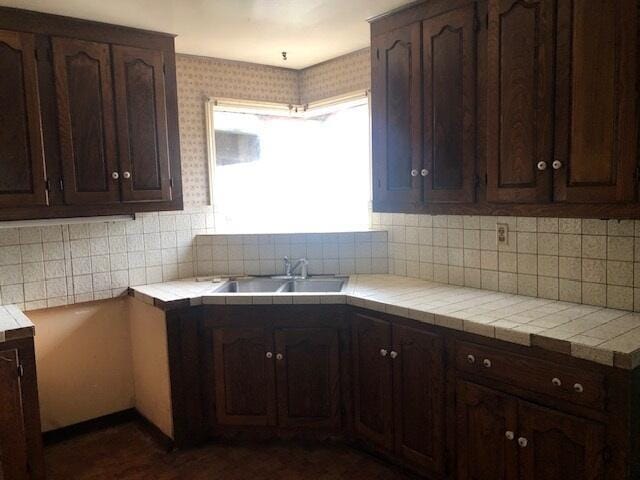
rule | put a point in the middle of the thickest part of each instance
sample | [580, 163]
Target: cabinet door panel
[418, 386]
[244, 376]
[520, 100]
[483, 418]
[449, 45]
[86, 125]
[596, 132]
[22, 182]
[396, 116]
[308, 377]
[13, 441]
[560, 446]
[142, 123]
[372, 380]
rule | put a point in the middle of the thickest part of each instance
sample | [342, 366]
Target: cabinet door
[22, 182]
[13, 442]
[396, 117]
[484, 419]
[373, 380]
[597, 122]
[307, 372]
[86, 124]
[520, 100]
[449, 46]
[559, 446]
[244, 376]
[141, 117]
[418, 386]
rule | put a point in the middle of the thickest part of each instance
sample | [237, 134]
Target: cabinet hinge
[20, 370]
[61, 184]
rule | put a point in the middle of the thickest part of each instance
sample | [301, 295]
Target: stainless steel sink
[313, 285]
[251, 285]
[281, 285]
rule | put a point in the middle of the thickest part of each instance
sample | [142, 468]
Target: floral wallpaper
[202, 77]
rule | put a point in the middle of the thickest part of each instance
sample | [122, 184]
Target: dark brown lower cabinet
[372, 377]
[399, 390]
[244, 376]
[266, 373]
[500, 437]
[308, 377]
[20, 438]
[442, 403]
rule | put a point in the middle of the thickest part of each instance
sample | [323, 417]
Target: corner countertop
[603, 335]
[14, 324]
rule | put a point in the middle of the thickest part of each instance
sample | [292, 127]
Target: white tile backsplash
[586, 261]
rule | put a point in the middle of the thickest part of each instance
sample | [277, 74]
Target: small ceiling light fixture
[284, 56]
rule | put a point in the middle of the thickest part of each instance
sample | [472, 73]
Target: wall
[83, 357]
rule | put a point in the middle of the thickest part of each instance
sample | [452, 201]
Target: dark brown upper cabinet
[86, 124]
[142, 124]
[449, 86]
[528, 107]
[520, 82]
[396, 119]
[88, 118]
[22, 181]
[596, 101]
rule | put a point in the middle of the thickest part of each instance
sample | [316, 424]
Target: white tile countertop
[14, 324]
[603, 335]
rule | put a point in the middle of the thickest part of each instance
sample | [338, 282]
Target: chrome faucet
[289, 268]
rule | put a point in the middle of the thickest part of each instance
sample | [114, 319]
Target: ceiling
[310, 31]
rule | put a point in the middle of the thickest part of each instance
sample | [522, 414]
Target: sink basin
[279, 285]
[251, 285]
[313, 285]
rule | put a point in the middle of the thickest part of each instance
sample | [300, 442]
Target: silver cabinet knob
[578, 388]
[414, 173]
[115, 175]
[393, 354]
[542, 165]
[471, 359]
[556, 381]
[279, 356]
[383, 352]
[269, 355]
[557, 164]
[509, 435]
[487, 363]
[523, 442]
[424, 172]
[126, 175]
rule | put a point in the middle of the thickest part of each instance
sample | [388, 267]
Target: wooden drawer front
[536, 375]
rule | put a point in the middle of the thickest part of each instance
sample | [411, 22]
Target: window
[275, 169]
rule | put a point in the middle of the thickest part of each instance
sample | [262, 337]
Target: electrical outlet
[502, 234]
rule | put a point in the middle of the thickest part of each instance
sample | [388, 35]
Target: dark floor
[127, 452]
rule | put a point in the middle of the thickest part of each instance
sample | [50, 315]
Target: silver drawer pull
[126, 175]
[269, 355]
[279, 356]
[542, 166]
[414, 173]
[471, 359]
[393, 354]
[509, 435]
[487, 363]
[557, 164]
[556, 381]
[115, 175]
[578, 388]
[523, 442]
[424, 172]
[383, 352]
